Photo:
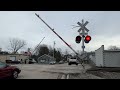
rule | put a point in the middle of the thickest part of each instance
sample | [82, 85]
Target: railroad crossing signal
[78, 39]
[87, 39]
[83, 31]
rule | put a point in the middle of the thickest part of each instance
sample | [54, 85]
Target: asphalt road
[57, 71]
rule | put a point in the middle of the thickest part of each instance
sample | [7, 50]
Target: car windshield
[2, 65]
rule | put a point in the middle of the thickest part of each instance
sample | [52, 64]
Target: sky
[104, 28]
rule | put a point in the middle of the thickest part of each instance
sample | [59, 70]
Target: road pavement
[57, 71]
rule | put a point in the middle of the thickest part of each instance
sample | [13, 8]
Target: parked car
[32, 61]
[8, 71]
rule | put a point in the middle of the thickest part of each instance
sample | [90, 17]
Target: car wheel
[15, 75]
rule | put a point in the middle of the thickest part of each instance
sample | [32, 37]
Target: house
[106, 58]
[45, 59]
[13, 57]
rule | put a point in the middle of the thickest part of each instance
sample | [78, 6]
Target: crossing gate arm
[80, 59]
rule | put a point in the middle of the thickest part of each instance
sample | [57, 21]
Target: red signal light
[78, 39]
[87, 39]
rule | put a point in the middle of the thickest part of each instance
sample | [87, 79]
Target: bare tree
[16, 45]
[113, 48]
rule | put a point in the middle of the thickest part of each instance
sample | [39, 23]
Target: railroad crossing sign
[83, 26]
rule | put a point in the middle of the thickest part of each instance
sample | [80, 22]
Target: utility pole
[54, 49]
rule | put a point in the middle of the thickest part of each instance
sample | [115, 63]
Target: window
[2, 65]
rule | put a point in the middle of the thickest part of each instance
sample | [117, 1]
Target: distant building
[45, 59]
[13, 57]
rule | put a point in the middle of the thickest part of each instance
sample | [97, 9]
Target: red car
[7, 71]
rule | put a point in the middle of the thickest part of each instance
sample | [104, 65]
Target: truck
[72, 61]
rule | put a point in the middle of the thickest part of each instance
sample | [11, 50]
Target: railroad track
[63, 76]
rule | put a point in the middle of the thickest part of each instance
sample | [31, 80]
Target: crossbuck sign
[83, 28]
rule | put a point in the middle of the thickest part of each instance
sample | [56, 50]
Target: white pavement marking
[67, 76]
[63, 76]
[59, 76]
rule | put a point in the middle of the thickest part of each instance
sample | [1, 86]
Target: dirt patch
[106, 75]
[83, 76]
[97, 73]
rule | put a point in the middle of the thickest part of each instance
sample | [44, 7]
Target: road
[57, 71]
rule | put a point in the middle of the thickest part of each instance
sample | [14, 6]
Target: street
[57, 71]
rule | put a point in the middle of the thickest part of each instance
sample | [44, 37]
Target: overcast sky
[104, 28]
